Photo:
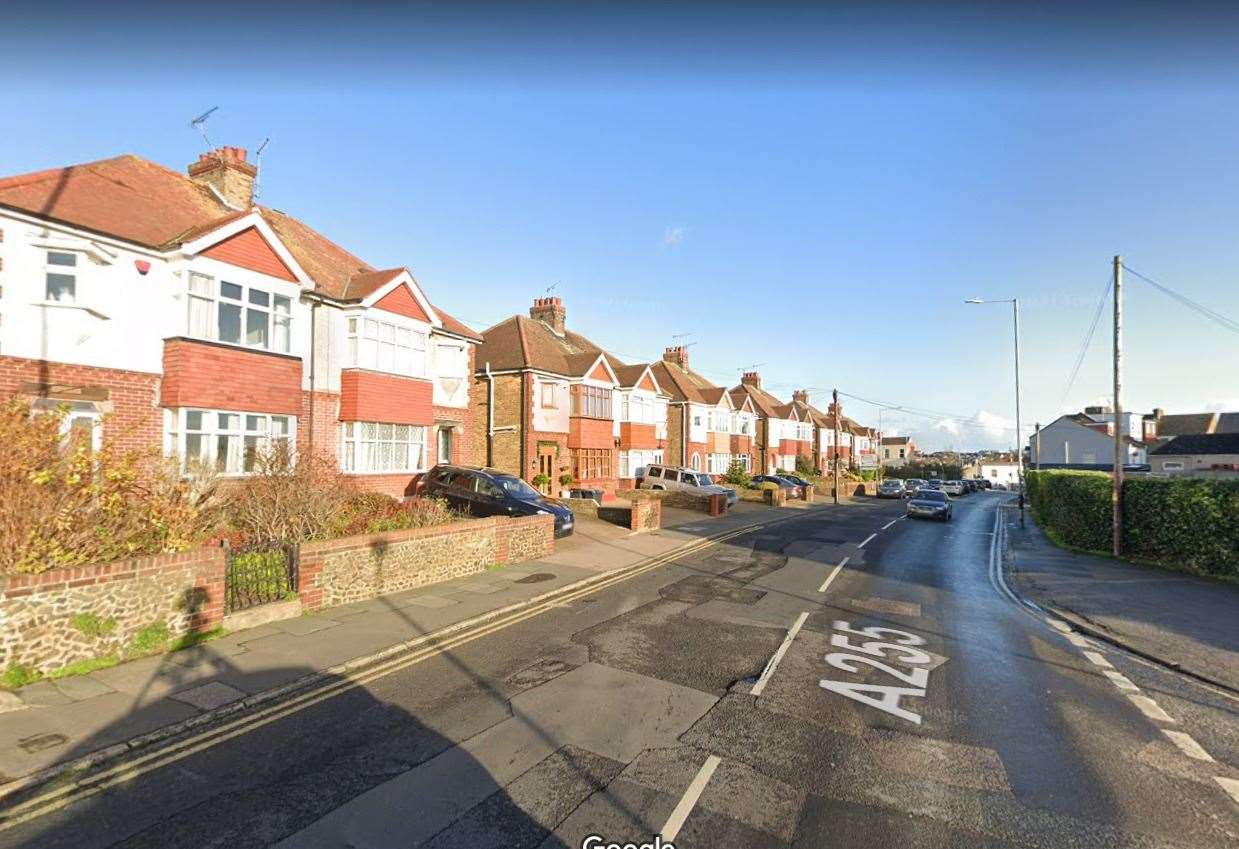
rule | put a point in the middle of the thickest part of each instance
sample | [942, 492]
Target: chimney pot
[751, 378]
[677, 354]
[801, 395]
[549, 311]
[226, 170]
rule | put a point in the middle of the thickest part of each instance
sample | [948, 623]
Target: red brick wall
[324, 423]
[248, 249]
[637, 435]
[590, 433]
[135, 422]
[206, 374]
[368, 396]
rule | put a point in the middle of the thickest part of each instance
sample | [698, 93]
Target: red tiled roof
[139, 201]
[522, 342]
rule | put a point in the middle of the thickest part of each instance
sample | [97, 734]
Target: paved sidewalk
[68, 719]
[1176, 618]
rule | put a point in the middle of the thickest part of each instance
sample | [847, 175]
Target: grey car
[658, 476]
[930, 504]
[891, 488]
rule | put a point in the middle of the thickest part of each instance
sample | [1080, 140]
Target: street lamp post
[1019, 446]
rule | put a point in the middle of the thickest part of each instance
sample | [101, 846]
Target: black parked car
[487, 492]
[781, 481]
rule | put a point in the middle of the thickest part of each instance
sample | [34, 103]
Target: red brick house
[707, 429]
[169, 310]
[781, 433]
[547, 401]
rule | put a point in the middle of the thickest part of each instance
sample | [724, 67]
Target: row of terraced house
[169, 309]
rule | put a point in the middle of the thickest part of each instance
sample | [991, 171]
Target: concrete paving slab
[209, 696]
[611, 712]
[304, 625]
[625, 812]
[429, 601]
[43, 693]
[483, 589]
[81, 687]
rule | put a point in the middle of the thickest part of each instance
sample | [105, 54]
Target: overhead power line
[1088, 339]
[1213, 315]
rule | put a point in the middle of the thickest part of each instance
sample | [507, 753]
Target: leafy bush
[80, 506]
[566, 479]
[542, 481]
[805, 467]
[285, 502]
[374, 512]
[737, 475]
[1190, 524]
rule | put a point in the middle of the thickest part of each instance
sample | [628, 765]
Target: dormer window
[61, 277]
[238, 314]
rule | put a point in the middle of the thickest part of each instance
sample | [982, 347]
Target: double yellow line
[98, 782]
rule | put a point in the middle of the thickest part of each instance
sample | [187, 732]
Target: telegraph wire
[1227, 323]
[1088, 340]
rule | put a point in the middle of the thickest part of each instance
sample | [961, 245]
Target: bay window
[591, 463]
[239, 314]
[384, 346]
[232, 443]
[592, 402]
[378, 447]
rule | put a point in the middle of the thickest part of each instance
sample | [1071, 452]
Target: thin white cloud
[673, 236]
[995, 425]
[948, 425]
[1223, 405]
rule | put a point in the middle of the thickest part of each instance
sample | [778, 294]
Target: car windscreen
[517, 488]
[930, 495]
[704, 480]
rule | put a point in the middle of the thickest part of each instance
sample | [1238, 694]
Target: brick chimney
[677, 354]
[832, 408]
[801, 396]
[226, 170]
[751, 378]
[549, 311]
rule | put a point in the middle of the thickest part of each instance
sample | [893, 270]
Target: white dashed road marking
[1097, 660]
[1150, 708]
[888, 524]
[778, 655]
[831, 577]
[1187, 745]
[1230, 785]
[866, 542]
[685, 807]
[1059, 626]
[1122, 682]
[1078, 641]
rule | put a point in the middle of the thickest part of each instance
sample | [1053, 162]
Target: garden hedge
[1187, 523]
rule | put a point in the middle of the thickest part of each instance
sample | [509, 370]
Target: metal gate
[259, 576]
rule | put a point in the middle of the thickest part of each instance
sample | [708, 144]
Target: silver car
[686, 480]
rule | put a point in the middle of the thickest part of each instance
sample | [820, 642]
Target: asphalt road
[734, 698]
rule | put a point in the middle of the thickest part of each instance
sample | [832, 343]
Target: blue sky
[813, 190]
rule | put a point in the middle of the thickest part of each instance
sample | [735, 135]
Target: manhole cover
[535, 578]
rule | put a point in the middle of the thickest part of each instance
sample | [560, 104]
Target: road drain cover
[535, 578]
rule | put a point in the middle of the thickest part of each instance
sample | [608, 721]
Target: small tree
[804, 467]
[737, 475]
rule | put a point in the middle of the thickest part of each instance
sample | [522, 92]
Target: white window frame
[69, 270]
[202, 288]
[373, 448]
[243, 433]
[407, 357]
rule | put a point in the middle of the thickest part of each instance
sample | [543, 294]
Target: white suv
[686, 480]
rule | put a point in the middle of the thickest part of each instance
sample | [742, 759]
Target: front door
[546, 462]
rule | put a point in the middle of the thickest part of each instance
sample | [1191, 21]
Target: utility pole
[1019, 441]
[835, 397]
[1116, 497]
[878, 448]
[1037, 447]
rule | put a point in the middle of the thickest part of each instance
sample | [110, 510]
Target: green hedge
[1186, 523]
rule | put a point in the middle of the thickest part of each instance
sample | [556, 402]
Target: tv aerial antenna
[199, 124]
[750, 367]
[552, 288]
[258, 164]
[677, 339]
